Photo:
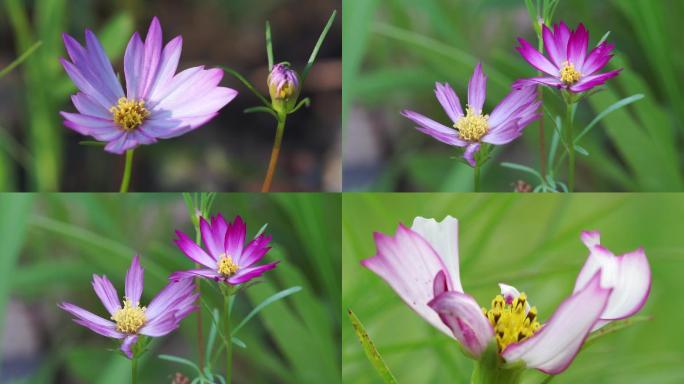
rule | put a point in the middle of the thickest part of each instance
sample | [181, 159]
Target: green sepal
[491, 369]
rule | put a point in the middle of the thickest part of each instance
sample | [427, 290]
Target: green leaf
[615, 326]
[269, 46]
[371, 351]
[278, 296]
[247, 84]
[523, 168]
[319, 43]
[622, 103]
[182, 361]
[20, 59]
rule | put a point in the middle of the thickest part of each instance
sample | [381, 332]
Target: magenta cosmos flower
[163, 315]
[158, 104]
[228, 259]
[570, 67]
[469, 130]
[421, 264]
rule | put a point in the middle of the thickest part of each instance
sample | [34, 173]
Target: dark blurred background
[395, 51]
[230, 153]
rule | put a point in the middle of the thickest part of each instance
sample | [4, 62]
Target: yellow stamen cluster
[472, 126]
[130, 318]
[129, 114]
[286, 91]
[569, 75]
[226, 266]
[511, 322]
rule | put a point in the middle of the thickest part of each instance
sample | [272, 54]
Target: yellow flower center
[226, 266]
[512, 323]
[569, 75]
[472, 126]
[129, 114]
[286, 91]
[130, 318]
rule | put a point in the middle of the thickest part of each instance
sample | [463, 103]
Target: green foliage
[531, 242]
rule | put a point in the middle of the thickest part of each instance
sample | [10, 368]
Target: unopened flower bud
[283, 85]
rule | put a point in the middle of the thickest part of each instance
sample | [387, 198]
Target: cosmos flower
[228, 259]
[283, 86]
[469, 130]
[421, 264]
[127, 322]
[570, 67]
[158, 104]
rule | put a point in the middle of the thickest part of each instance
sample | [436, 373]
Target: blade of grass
[20, 59]
[317, 48]
[371, 351]
[269, 46]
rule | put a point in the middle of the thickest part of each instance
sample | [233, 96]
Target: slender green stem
[20, 59]
[229, 344]
[476, 176]
[275, 153]
[198, 289]
[134, 370]
[570, 139]
[126, 179]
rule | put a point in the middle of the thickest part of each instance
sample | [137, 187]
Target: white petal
[409, 265]
[443, 237]
[554, 347]
[510, 293]
[591, 238]
[464, 317]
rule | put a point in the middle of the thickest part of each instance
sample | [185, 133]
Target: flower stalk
[228, 298]
[570, 140]
[275, 152]
[128, 167]
[134, 370]
[490, 369]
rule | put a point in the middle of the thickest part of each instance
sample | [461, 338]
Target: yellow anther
[226, 266]
[511, 322]
[129, 114]
[472, 126]
[569, 75]
[130, 318]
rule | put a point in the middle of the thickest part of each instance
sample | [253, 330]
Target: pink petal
[562, 34]
[436, 130]
[408, 264]
[169, 296]
[167, 67]
[477, 89]
[255, 251]
[462, 314]
[553, 347]
[193, 251]
[443, 238]
[517, 101]
[592, 81]
[536, 59]
[107, 293]
[151, 58]
[597, 59]
[628, 275]
[557, 55]
[133, 65]
[449, 100]
[85, 315]
[213, 238]
[161, 325]
[192, 273]
[246, 274]
[534, 81]
[503, 134]
[235, 238]
[134, 281]
[577, 47]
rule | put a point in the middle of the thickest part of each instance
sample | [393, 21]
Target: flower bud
[283, 85]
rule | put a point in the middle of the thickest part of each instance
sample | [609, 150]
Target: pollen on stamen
[569, 75]
[130, 318]
[473, 125]
[226, 266]
[512, 322]
[129, 114]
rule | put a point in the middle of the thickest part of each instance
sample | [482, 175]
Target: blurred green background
[531, 242]
[37, 153]
[395, 51]
[52, 244]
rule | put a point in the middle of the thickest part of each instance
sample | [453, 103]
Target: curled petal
[443, 238]
[408, 264]
[169, 297]
[553, 347]
[510, 108]
[534, 81]
[597, 59]
[503, 133]
[436, 130]
[462, 314]
[127, 345]
[192, 273]
[246, 274]
[470, 152]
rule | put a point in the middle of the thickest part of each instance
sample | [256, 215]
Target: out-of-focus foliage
[531, 242]
[396, 50]
[230, 153]
[51, 247]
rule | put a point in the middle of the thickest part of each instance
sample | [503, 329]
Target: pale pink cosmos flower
[421, 264]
